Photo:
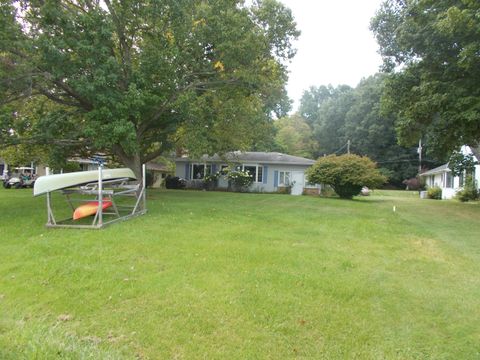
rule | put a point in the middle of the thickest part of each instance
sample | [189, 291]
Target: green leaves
[138, 72]
[342, 113]
[294, 136]
[460, 163]
[346, 174]
[431, 49]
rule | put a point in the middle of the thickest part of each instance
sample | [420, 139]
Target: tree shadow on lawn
[357, 200]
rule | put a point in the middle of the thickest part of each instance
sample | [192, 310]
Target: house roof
[441, 169]
[254, 157]
[157, 167]
[476, 152]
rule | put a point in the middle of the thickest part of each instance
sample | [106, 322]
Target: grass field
[244, 276]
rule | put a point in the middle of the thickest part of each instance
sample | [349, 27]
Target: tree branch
[56, 98]
[33, 141]
[124, 48]
[154, 154]
[84, 103]
[203, 86]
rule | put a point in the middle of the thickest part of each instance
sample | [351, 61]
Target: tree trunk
[133, 162]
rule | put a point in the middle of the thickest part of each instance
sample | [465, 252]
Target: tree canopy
[135, 78]
[355, 114]
[431, 49]
[294, 136]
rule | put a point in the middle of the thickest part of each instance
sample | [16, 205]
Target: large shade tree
[134, 77]
[294, 136]
[372, 133]
[355, 115]
[431, 49]
[324, 108]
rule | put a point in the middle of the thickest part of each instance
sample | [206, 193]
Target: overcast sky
[336, 45]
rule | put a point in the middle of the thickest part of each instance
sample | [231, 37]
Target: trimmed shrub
[346, 174]
[434, 192]
[469, 191]
[174, 182]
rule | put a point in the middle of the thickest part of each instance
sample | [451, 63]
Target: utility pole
[419, 151]
[348, 146]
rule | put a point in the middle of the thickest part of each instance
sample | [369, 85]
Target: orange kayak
[89, 208]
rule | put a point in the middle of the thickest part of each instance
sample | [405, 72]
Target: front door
[297, 182]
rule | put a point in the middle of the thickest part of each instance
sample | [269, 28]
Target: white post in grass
[100, 195]
[144, 183]
[49, 217]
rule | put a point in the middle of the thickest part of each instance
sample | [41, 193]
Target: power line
[340, 149]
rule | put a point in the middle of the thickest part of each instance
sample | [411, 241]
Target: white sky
[335, 47]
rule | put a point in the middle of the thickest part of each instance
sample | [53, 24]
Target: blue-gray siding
[270, 174]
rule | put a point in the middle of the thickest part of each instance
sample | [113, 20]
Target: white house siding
[450, 188]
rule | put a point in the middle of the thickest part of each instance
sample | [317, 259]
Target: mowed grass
[210, 275]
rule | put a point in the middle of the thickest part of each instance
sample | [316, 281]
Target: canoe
[50, 183]
[89, 208]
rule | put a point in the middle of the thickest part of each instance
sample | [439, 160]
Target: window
[284, 178]
[252, 171]
[199, 171]
[260, 174]
[448, 180]
[255, 171]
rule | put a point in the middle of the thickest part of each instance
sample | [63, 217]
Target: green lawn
[244, 276]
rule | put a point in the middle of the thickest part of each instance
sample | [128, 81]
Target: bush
[239, 180]
[174, 182]
[346, 174]
[434, 192]
[415, 183]
[211, 181]
[469, 191]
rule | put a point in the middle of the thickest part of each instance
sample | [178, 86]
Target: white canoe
[50, 183]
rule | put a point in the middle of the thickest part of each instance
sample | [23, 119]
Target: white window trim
[289, 178]
[256, 171]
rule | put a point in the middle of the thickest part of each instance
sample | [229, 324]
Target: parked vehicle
[22, 177]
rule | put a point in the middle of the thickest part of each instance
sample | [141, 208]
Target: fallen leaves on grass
[64, 317]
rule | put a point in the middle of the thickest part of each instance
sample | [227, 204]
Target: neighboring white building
[442, 175]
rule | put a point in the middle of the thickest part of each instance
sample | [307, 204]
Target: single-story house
[84, 164]
[271, 171]
[443, 178]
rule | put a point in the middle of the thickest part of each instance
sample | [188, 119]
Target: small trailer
[94, 194]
